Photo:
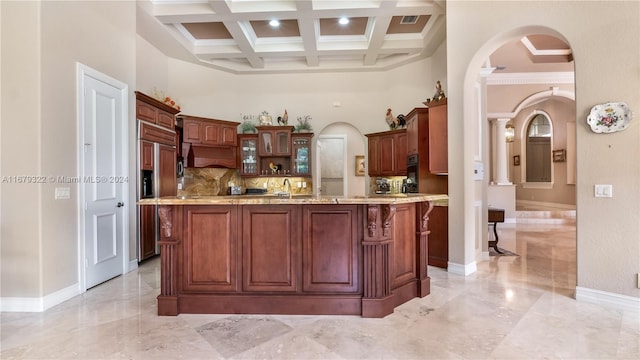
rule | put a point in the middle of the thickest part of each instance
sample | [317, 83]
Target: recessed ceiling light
[343, 21]
[274, 23]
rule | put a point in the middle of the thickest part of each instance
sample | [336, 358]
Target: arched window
[538, 149]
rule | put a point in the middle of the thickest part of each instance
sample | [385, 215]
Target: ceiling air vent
[409, 20]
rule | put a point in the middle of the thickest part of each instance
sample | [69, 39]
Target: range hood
[211, 156]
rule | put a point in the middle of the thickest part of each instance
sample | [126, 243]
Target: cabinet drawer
[155, 134]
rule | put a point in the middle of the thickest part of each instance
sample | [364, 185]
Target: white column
[500, 176]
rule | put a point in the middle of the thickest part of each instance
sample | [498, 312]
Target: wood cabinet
[146, 155]
[274, 140]
[154, 111]
[438, 237]
[210, 254]
[148, 226]
[427, 137]
[248, 154]
[330, 253]
[292, 258]
[301, 154]
[157, 141]
[197, 130]
[387, 153]
[167, 177]
[403, 251]
[278, 146]
[270, 248]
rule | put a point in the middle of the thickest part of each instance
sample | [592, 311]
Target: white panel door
[103, 181]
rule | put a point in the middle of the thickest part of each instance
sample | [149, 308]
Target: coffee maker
[382, 186]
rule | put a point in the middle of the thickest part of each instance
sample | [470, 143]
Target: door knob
[120, 204]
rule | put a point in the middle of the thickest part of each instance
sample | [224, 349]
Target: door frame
[83, 71]
[345, 178]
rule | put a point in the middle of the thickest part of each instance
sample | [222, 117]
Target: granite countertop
[438, 199]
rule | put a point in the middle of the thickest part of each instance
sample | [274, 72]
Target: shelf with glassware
[248, 154]
[301, 154]
[275, 151]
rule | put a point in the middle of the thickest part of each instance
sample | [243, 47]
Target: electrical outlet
[62, 193]
[304, 185]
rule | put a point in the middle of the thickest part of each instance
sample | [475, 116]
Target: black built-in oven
[412, 174]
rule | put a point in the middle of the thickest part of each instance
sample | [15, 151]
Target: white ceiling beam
[238, 34]
[309, 31]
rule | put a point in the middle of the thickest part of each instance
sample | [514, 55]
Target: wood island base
[293, 258]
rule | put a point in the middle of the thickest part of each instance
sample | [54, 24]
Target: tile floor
[513, 307]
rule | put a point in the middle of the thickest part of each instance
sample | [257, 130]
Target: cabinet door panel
[167, 172]
[330, 249]
[146, 155]
[146, 112]
[387, 155]
[191, 131]
[438, 243]
[403, 251]
[270, 248]
[147, 231]
[210, 256]
[166, 120]
[229, 136]
[412, 135]
[373, 155]
[211, 134]
[401, 154]
[438, 152]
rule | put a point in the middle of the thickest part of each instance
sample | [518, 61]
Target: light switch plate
[63, 193]
[603, 190]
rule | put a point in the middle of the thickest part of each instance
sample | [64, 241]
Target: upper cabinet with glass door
[274, 140]
[248, 151]
[301, 154]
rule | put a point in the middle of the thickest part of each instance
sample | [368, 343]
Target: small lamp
[509, 132]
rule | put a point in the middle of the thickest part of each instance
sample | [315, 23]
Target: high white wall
[357, 98]
[607, 229]
[39, 130]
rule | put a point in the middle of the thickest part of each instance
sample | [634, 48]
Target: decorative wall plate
[609, 117]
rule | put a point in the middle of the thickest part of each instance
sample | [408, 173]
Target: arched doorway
[516, 98]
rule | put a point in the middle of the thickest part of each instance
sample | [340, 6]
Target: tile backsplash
[216, 182]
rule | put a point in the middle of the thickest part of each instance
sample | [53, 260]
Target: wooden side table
[495, 216]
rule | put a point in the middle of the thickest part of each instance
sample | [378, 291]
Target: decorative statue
[439, 95]
[402, 122]
[391, 121]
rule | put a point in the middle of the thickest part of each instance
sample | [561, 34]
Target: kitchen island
[264, 254]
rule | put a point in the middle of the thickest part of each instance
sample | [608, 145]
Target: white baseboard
[545, 204]
[483, 256]
[608, 299]
[38, 304]
[460, 269]
[133, 264]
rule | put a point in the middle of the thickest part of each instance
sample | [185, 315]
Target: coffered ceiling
[236, 35]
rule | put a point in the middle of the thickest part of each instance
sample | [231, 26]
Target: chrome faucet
[287, 187]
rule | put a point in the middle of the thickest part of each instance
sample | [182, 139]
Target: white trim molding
[565, 77]
[608, 299]
[460, 269]
[38, 304]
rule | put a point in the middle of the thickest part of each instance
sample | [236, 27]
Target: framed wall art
[360, 165]
[516, 160]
